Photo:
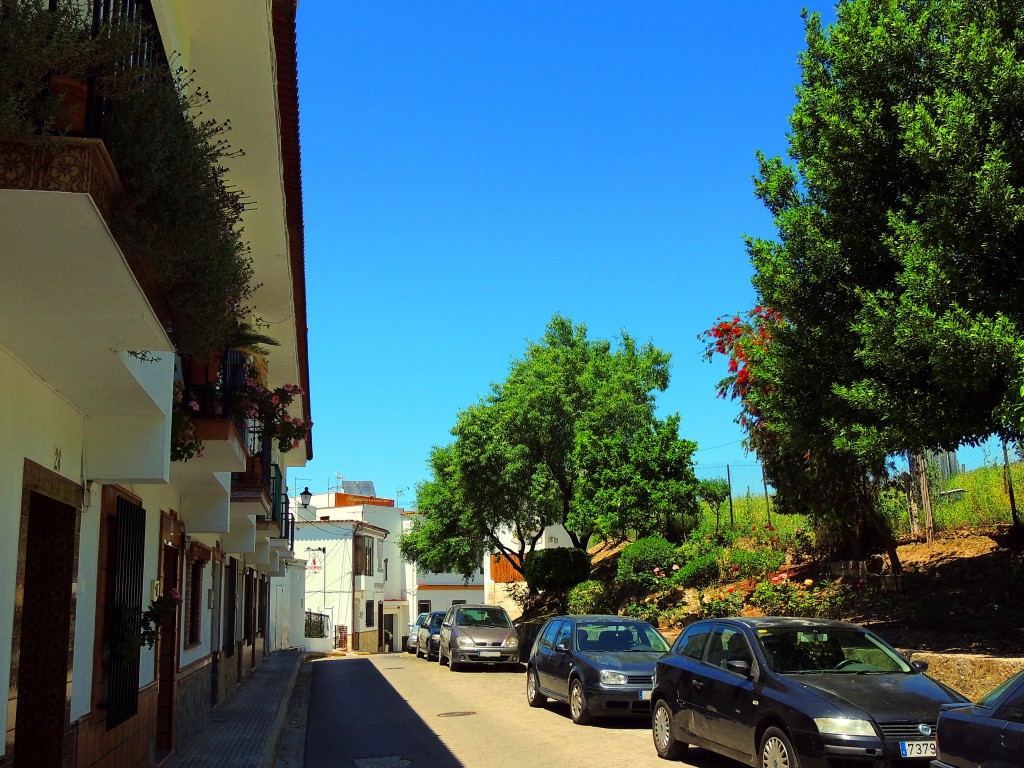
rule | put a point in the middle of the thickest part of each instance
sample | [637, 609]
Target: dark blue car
[989, 734]
[599, 665]
[429, 635]
[779, 691]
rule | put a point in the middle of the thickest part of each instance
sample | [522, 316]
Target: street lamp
[306, 497]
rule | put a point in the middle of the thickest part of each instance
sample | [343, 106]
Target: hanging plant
[142, 628]
[269, 409]
[185, 440]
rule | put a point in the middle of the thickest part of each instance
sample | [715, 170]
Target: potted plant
[47, 56]
[185, 440]
[140, 628]
[269, 409]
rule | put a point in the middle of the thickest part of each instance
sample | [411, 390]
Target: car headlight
[465, 642]
[608, 677]
[511, 642]
[844, 726]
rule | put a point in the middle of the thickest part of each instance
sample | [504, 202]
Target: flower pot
[73, 95]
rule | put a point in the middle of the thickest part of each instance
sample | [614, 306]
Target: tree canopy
[569, 438]
[890, 304]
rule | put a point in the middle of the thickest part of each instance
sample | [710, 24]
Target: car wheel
[578, 704]
[453, 666]
[777, 751]
[533, 695]
[440, 657]
[419, 652]
[664, 740]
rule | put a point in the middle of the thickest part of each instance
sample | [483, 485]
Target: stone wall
[972, 675]
[194, 711]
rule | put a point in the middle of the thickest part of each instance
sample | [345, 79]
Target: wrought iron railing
[317, 624]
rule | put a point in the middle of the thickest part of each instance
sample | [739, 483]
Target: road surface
[394, 710]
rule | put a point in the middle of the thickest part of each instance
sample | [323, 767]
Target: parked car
[410, 643]
[600, 665]
[786, 691]
[989, 734]
[429, 635]
[477, 634]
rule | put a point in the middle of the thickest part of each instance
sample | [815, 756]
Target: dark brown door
[167, 664]
[43, 668]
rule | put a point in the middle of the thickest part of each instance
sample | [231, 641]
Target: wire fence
[972, 486]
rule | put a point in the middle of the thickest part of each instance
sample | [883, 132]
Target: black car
[989, 734]
[429, 635]
[600, 665]
[795, 692]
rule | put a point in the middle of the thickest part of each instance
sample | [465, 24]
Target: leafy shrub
[638, 561]
[715, 607]
[781, 597]
[701, 571]
[757, 563]
[645, 612]
[589, 597]
[698, 544]
[556, 569]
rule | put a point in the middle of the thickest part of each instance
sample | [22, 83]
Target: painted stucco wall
[35, 422]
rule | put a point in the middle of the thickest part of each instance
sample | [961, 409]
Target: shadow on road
[355, 716]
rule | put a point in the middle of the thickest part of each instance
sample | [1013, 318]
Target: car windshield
[990, 698]
[607, 637]
[482, 617]
[849, 650]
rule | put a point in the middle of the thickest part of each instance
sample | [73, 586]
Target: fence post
[926, 498]
[1009, 486]
[728, 479]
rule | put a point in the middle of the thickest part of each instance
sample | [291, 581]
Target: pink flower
[287, 417]
[298, 422]
[295, 444]
[193, 405]
[176, 594]
[675, 567]
[656, 569]
[275, 399]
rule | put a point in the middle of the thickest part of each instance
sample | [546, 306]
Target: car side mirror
[562, 646]
[739, 666]
[920, 665]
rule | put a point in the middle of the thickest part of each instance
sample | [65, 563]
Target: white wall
[35, 422]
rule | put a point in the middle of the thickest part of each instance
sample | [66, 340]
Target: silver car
[410, 643]
[477, 634]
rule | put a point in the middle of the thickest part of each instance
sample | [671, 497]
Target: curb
[269, 752]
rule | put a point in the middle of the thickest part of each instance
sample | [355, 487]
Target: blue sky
[471, 168]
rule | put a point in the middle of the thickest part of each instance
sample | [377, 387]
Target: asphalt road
[393, 710]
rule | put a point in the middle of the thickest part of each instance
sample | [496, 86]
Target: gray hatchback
[477, 634]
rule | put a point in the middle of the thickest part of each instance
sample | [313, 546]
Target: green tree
[714, 492]
[569, 438]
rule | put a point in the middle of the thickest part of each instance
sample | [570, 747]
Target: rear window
[484, 616]
[436, 619]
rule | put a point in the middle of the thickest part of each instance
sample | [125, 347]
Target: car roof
[600, 618]
[795, 622]
[477, 605]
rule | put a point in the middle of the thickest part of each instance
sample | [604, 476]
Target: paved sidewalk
[245, 729]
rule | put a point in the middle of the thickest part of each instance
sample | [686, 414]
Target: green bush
[781, 597]
[712, 607]
[644, 612]
[638, 561]
[757, 563]
[702, 571]
[556, 569]
[589, 597]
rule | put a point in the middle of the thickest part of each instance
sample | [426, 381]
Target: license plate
[490, 654]
[644, 695]
[917, 748]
